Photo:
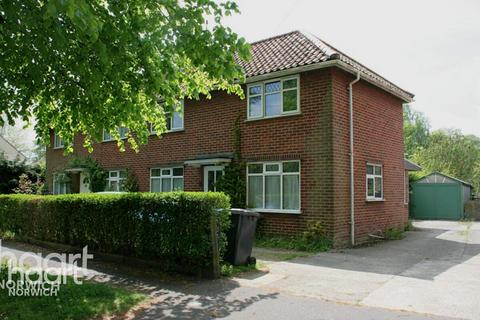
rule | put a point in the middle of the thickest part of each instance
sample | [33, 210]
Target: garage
[438, 196]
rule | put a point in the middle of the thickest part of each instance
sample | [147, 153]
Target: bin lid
[244, 212]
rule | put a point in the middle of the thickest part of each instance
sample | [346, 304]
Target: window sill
[374, 200]
[274, 117]
[58, 148]
[169, 131]
[277, 211]
[113, 140]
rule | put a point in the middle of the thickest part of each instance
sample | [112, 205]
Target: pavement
[434, 273]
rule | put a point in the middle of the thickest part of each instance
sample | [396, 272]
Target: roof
[298, 49]
[447, 176]
[411, 166]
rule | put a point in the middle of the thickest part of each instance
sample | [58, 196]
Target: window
[273, 98]
[115, 180]
[274, 186]
[174, 122]
[57, 142]
[166, 179]
[60, 186]
[374, 182]
[121, 130]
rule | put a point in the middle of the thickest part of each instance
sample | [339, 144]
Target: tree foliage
[451, 152]
[416, 130]
[81, 66]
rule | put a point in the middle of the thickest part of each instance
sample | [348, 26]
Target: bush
[394, 234]
[173, 228]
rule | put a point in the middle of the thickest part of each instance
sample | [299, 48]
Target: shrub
[173, 228]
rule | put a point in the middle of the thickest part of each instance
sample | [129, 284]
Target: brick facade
[318, 137]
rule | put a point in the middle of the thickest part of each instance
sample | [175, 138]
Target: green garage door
[437, 201]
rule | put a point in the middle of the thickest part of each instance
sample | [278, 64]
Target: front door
[210, 176]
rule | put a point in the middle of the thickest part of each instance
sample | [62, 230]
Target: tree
[451, 152]
[81, 66]
[416, 130]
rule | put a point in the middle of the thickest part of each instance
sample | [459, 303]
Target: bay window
[273, 98]
[274, 186]
[166, 179]
[374, 182]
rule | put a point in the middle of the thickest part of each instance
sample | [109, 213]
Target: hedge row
[173, 228]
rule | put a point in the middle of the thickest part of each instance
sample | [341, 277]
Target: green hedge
[173, 228]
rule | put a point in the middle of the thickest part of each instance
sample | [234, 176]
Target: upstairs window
[57, 142]
[166, 179]
[374, 182]
[273, 98]
[121, 130]
[115, 180]
[174, 120]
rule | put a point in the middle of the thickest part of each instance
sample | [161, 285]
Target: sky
[429, 48]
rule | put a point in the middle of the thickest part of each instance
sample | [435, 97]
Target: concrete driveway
[434, 270]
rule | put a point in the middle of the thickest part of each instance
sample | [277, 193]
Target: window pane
[155, 173]
[272, 104]
[291, 192]
[378, 170]
[255, 107]
[106, 136]
[113, 186]
[378, 187]
[168, 120]
[272, 192]
[272, 87]
[155, 185]
[166, 172]
[123, 174]
[177, 184]
[166, 185]
[293, 166]
[113, 174]
[290, 100]
[272, 167]
[211, 181]
[178, 172]
[288, 84]
[255, 192]
[122, 131]
[255, 168]
[177, 122]
[369, 169]
[370, 187]
[255, 90]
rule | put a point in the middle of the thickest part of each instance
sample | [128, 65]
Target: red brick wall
[378, 138]
[318, 137]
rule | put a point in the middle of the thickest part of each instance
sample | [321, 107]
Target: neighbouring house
[9, 151]
[304, 163]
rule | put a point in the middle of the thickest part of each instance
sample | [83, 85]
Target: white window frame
[281, 173]
[58, 142]
[373, 176]
[170, 119]
[62, 186]
[169, 176]
[117, 179]
[263, 95]
[111, 138]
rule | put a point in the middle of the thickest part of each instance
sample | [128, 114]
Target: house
[304, 162]
[9, 151]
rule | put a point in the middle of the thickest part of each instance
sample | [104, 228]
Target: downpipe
[352, 172]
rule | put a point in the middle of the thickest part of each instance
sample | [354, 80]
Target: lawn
[73, 302]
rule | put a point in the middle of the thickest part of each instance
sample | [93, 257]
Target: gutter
[327, 64]
[352, 172]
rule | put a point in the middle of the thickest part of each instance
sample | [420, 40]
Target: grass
[227, 270]
[298, 243]
[409, 226]
[73, 301]
[394, 234]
